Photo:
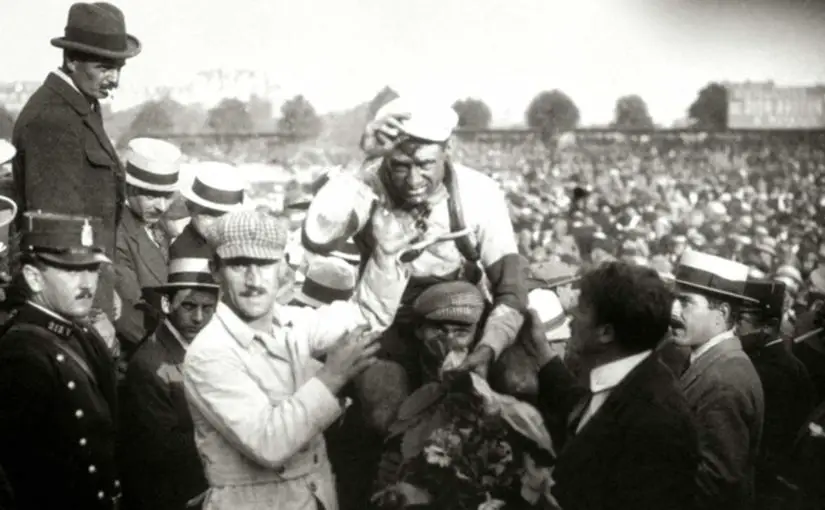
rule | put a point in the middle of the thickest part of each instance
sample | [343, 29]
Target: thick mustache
[84, 294]
[253, 291]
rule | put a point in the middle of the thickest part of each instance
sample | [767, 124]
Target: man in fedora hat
[65, 161]
[161, 467]
[721, 383]
[57, 379]
[141, 259]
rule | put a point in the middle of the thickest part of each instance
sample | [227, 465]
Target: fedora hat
[152, 165]
[98, 29]
[188, 273]
[713, 276]
[327, 279]
[216, 187]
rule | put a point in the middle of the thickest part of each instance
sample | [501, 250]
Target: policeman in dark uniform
[789, 392]
[57, 379]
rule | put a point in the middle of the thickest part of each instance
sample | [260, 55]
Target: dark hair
[80, 56]
[632, 299]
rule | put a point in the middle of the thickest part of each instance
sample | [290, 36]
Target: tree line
[550, 111]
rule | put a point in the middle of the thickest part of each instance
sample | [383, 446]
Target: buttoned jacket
[258, 409]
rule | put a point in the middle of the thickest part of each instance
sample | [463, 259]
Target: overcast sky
[340, 52]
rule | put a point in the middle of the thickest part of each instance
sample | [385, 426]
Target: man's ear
[165, 304]
[606, 334]
[33, 278]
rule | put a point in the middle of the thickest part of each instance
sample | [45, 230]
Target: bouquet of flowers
[458, 445]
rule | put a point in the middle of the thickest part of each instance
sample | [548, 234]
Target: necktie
[161, 239]
[576, 415]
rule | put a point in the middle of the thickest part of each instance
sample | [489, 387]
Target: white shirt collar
[718, 339]
[65, 77]
[608, 376]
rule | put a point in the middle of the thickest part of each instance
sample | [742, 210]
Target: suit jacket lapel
[150, 255]
[698, 367]
[92, 120]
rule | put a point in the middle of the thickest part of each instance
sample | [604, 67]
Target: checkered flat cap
[248, 234]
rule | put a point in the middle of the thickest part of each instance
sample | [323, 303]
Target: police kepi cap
[769, 296]
[62, 239]
[429, 120]
[248, 234]
[713, 276]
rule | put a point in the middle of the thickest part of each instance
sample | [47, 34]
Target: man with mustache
[152, 168]
[57, 379]
[259, 398]
[66, 162]
[161, 467]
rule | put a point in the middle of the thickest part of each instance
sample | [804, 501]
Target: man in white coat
[259, 401]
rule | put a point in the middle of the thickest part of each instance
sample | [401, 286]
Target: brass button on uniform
[60, 358]
[71, 385]
[117, 483]
[79, 413]
[100, 495]
[92, 469]
[82, 441]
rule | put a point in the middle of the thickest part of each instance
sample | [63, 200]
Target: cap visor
[74, 260]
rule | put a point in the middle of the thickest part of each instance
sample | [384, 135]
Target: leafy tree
[299, 118]
[6, 124]
[230, 116]
[152, 117]
[383, 97]
[473, 113]
[631, 113]
[552, 112]
[710, 109]
[260, 110]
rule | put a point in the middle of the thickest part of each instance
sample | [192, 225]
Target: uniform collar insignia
[40, 316]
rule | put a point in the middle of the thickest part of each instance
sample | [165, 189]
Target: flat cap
[248, 234]
[429, 119]
[455, 301]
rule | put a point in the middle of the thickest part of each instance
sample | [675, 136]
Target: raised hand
[349, 357]
[381, 135]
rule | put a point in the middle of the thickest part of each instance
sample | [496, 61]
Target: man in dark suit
[630, 440]
[161, 466]
[721, 384]
[141, 260]
[215, 191]
[65, 161]
[57, 381]
[789, 392]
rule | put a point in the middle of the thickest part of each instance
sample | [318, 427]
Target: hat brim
[74, 259]
[247, 251]
[303, 299]
[162, 188]
[170, 287]
[195, 199]
[133, 48]
[721, 294]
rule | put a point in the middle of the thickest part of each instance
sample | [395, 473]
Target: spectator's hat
[454, 301]
[98, 29]
[327, 279]
[817, 279]
[790, 276]
[711, 275]
[188, 273]
[348, 251]
[769, 296]
[7, 152]
[429, 120]
[153, 165]
[766, 245]
[216, 187]
[62, 240]
[248, 234]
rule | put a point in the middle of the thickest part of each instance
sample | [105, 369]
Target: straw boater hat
[328, 279]
[153, 165]
[712, 276]
[554, 320]
[790, 276]
[7, 152]
[216, 186]
[98, 29]
[188, 273]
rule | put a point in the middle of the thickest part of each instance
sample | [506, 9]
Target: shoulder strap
[467, 249]
[39, 330]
